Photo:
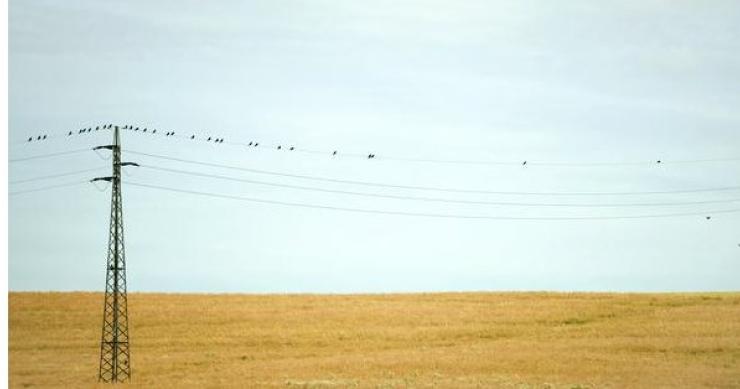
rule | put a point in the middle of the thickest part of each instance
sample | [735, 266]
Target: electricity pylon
[115, 363]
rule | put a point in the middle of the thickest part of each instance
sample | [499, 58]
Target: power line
[56, 175]
[436, 199]
[290, 147]
[43, 188]
[333, 152]
[50, 155]
[432, 215]
[427, 188]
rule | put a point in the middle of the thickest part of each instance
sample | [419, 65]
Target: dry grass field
[509, 340]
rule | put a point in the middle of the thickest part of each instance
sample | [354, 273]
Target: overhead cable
[436, 199]
[430, 215]
[44, 188]
[428, 188]
[56, 175]
[50, 155]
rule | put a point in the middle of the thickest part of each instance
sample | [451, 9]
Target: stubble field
[509, 340]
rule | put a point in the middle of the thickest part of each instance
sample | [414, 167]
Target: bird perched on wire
[256, 144]
[334, 153]
[38, 138]
[209, 138]
[524, 163]
[292, 148]
[279, 147]
[44, 137]
[250, 143]
[709, 217]
[30, 138]
[192, 136]
[70, 133]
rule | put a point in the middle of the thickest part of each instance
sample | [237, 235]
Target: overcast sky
[575, 82]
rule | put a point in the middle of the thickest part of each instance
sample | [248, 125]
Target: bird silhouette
[154, 131]
[250, 143]
[144, 130]
[334, 153]
[89, 129]
[39, 137]
[192, 136]
[658, 161]
[97, 128]
[709, 217]
[44, 137]
[256, 144]
[279, 147]
[70, 133]
[209, 138]
[30, 139]
[292, 148]
[524, 163]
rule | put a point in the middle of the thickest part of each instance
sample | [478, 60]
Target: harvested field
[509, 340]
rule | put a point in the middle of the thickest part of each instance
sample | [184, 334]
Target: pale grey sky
[576, 81]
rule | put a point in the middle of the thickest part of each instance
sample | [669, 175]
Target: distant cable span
[428, 188]
[56, 175]
[287, 148]
[431, 215]
[43, 188]
[435, 199]
[11, 160]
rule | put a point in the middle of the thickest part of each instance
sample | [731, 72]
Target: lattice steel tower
[115, 362]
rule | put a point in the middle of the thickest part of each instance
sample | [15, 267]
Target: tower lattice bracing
[115, 364]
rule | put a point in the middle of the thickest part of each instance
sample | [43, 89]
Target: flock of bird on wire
[44, 137]
[193, 137]
[170, 133]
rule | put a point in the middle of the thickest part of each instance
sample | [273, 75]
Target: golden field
[509, 340]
